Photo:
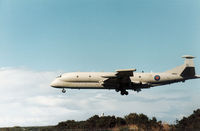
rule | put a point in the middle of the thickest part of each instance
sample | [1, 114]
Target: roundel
[157, 77]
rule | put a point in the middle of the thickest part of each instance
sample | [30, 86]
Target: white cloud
[26, 99]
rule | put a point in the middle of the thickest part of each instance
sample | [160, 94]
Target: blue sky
[40, 36]
[97, 35]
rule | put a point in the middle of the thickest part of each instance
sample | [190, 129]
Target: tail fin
[185, 70]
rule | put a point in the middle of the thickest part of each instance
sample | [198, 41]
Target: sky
[40, 39]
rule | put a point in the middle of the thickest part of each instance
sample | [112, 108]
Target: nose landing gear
[63, 90]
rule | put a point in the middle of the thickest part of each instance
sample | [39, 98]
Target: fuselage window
[139, 76]
[77, 76]
[89, 75]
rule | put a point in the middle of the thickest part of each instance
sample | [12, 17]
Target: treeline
[190, 123]
[110, 122]
[131, 122]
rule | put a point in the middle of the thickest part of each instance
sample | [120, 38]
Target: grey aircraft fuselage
[125, 79]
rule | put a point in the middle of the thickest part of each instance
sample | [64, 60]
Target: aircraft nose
[53, 83]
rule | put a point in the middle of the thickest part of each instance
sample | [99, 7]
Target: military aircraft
[125, 79]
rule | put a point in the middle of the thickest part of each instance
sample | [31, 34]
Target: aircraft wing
[121, 78]
[125, 72]
[121, 73]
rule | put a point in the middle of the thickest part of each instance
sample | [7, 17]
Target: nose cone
[58, 83]
[54, 83]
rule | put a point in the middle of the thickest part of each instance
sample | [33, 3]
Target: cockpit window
[59, 76]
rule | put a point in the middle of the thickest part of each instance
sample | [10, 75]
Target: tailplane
[185, 70]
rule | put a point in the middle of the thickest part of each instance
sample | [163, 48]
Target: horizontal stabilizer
[188, 57]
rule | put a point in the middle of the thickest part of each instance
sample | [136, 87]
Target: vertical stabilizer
[189, 60]
[185, 70]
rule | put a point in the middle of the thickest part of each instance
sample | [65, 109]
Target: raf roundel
[157, 77]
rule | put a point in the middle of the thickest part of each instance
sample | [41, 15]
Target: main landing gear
[122, 92]
[137, 89]
[63, 90]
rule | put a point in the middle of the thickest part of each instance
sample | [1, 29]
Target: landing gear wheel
[117, 90]
[63, 90]
[126, 92]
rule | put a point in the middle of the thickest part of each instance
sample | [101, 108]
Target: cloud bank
[26, 99]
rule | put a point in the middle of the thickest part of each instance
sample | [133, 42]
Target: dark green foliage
[95, 122]
[124, 129]
[120, 121]
[107, 123]
[17, 128]
[143, 121]
[191, 123]
[134, 118]
[70, 124]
